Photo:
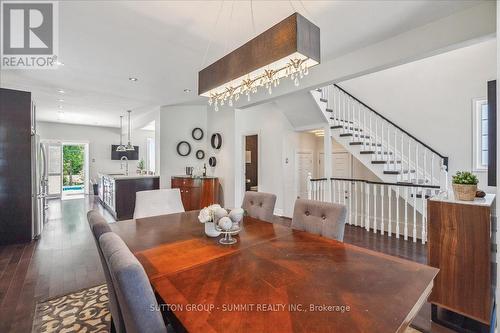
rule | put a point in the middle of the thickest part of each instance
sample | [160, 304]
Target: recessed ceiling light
[187, 90]
[133, 79]
[60, 106]
[59, 63]
[60, 100]
[61, 91]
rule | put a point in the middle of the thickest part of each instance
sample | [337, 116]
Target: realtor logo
[29, 35]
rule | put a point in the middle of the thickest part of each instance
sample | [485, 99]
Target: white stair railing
[393, 209]
[399, 152]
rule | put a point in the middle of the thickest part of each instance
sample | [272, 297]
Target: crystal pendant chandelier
[121, 147]
[129, 145]
[285, 51]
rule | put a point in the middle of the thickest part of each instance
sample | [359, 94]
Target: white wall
[432, 98]
[278, 143]
[176, 123]
[100, 140]
[223, 122]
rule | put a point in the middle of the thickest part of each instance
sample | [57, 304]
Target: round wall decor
[200, 154]
[183, 148]
[197, 134]
[212, 161]
[216, 140]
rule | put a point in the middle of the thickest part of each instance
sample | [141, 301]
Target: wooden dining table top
[274, 279]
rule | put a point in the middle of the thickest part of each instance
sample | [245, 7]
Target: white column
[327, 159]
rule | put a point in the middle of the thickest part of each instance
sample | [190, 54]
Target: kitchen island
[117, 192]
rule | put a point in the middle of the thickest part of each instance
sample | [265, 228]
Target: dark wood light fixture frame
[293, 34]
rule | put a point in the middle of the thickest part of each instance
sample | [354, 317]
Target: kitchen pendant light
[129, 145]
[121, 147]
[286, 50]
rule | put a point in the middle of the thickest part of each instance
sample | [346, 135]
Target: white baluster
[424, 217]
[432, 169]
[375, 208]
[382, 194]
[339, 188]
[397, 212]
[355, 196]
[376, 138]
[416, 162]
[424, 172]
[406, 213]
[389, 223]
[349, 199]
[309, 186]
[395, 149]
[401, 176]
[371, 132]
[382, 148]
[409, 159]
[415, 214]
[365, 127]
[367, 198]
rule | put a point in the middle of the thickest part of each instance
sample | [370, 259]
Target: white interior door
[341, 165]
[54, 159]
[305, 165]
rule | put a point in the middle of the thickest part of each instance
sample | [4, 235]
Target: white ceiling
[163, 44]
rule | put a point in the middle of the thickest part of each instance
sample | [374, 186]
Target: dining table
[273, 279]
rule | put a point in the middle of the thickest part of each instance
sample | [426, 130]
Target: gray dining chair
[135, 296]
[321, 218]
[259, 205]
[99, 226]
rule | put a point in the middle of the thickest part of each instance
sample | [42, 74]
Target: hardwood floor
[65, 259]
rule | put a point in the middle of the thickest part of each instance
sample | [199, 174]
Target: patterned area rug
[82, 311]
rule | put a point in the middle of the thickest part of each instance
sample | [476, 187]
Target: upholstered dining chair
[321, 218]
[99, 226]
[157, 202]
[133, 290]
[259, 205]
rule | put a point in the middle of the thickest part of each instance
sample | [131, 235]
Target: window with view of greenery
[73, 173]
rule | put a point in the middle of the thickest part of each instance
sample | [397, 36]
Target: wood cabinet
[16, 160]
[197, 193]
[460, 246]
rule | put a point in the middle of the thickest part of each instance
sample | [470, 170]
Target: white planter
[210, 230]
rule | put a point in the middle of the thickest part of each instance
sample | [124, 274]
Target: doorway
[304, 167]
[74, 170]
[252, 163]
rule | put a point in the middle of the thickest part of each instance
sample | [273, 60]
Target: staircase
[392, 153]
[410, 170]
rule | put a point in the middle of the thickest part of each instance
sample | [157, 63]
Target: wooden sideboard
[197, 192]
[460, 246]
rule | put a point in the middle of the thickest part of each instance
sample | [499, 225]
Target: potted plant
[465, 185]
[140, 166]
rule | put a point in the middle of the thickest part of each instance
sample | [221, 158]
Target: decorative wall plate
[197, 134]
[212, 161]
[216, 141]
[200, 154]
[183, 148]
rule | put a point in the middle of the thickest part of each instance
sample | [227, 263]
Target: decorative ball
[225, 223]
[236, 215]
[220, 213]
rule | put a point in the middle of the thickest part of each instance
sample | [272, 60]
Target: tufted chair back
[99, 227]
[259, 205]
[320, 218]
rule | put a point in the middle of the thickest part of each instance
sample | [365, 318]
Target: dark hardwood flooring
[65, 260]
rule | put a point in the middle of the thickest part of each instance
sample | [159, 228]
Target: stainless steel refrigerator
[40, 185]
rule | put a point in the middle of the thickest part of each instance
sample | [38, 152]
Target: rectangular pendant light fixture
[289, 48]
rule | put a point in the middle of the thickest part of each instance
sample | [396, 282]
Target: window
[480, 134]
